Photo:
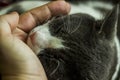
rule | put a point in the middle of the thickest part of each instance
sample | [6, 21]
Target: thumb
[8, 23]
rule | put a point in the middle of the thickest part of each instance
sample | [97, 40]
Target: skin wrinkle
[20, 34]
[5, 17]
[46, 17]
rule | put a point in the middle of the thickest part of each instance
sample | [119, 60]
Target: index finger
[39, 15]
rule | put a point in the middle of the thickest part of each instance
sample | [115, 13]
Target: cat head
[74, 29]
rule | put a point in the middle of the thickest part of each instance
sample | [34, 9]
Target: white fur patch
[100, 4]
[85, 9]
[118, 57]
[43, 39]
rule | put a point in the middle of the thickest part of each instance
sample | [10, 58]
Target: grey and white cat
[81, 46]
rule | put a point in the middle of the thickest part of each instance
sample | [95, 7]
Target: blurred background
[4, 3]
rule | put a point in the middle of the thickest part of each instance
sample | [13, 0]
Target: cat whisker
[75, 29]
[58, 64]
[68, 26]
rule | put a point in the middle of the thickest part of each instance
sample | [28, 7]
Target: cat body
[81, 46]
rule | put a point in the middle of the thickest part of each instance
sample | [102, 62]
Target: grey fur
[91, 52]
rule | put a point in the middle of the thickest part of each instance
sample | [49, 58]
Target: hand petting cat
[17, 60]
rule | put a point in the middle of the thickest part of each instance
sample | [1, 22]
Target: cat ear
[109, 25]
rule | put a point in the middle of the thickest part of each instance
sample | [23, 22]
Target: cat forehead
[74, 19]
[74, 23]
[77, 16]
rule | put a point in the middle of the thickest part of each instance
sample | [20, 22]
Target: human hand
[17, 60]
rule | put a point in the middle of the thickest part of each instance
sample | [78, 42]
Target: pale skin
[17, 60]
